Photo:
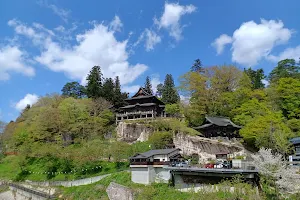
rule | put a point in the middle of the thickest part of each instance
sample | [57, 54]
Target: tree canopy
[148, 85]
[169, 92]
[287, 68]
[73, 89]
[94, 83]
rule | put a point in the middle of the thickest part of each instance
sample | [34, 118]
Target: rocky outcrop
[204, 147]
[132, 132]
[119, 192]
[189, 145]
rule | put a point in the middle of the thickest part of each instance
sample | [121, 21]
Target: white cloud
[37, 36]
[154, 82]
[289, 53]
[220, 43]
[252, 42]
[13, 59]
[151, 38]
[60, 28]
[171, 17]
[131, 89]
[264, 81]
[29, 99]
[185, 99]
[116, 24]
[62, 13]
[96, 46]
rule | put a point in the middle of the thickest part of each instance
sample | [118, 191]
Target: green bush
[160, 140]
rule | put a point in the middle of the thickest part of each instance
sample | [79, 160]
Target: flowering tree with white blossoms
[274, 167]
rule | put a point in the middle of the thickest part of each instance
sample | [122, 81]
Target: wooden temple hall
[214, 127]
[142, 105]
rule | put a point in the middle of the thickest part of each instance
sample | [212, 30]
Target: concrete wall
[85, 181]
[162, 175]
[140, 175]
[151, 174]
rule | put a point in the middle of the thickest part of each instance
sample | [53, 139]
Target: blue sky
[46, 43]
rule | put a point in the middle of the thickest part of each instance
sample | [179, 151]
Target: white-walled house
[147, 167]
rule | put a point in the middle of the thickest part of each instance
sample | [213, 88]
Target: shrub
[160, 140]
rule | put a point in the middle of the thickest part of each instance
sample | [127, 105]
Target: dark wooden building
[142, 105]
[219, 127]
[296, 156]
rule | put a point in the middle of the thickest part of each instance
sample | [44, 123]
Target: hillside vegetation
[76, 130]
[156, 191]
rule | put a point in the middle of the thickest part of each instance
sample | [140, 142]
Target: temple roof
[218, 121]
[141, 92]
[295, 140]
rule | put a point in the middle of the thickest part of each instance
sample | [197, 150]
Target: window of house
[156, 160]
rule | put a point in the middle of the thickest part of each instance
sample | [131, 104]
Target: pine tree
[148, 86]
[159, 89]
[256, 77]
[169, 94]
[94, 83]
[197, 66]
[73, 89]
[108, 90]
[119, 97]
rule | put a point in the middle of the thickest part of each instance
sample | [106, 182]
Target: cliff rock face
[204, 147]
[189, 145]
[119, 192]
[132, 132]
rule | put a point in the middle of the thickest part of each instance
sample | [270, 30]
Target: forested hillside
[76, 129]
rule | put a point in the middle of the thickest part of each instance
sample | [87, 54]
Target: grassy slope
[9, 168]
[142, 192]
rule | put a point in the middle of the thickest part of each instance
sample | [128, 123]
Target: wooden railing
[134, 113]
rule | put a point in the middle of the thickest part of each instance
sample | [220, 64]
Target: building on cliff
[142, 105]
[214, 127]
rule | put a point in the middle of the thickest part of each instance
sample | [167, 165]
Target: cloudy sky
[46, 43]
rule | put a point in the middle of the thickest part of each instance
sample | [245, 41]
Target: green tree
[159, 89]
[249, 111]
[193, 85]
[73, 89]
[2, 127]
[73, 116]
[287, 68]
[94, 83]
[119, 96]
[294, 125]
[108, 90]
[197, 66]
[287, 97]
[256, 76]
[160, 140]
[173, 109]
[267, 131]
[169, 94]
[148, 85]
